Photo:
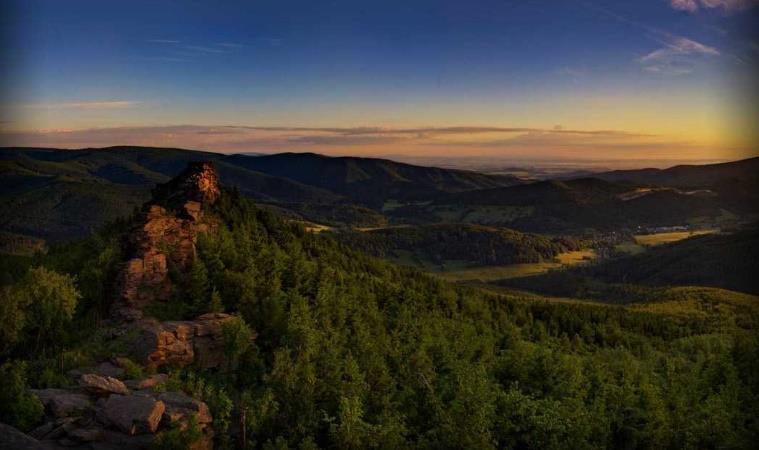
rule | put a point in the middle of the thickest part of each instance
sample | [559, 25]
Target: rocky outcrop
[180, 343]
[86, 418]
[164, 237]
[106, 411]
[199, 183]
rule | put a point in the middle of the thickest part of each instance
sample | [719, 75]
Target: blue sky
[657, 67]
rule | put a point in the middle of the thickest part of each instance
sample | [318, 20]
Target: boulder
[134, 414]
[181, 343]
[100, 385]
[63, 403]
[180, 407]
[13, 439]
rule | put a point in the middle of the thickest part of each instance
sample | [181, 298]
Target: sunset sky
[655, 79]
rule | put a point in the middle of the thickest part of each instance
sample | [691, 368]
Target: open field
[630, 248]
[490, 273]
[314, 227]
[665, 238]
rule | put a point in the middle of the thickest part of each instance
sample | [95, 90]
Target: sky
[530, 79]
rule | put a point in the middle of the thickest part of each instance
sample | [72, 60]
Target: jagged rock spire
[164, 235]
[199, 182]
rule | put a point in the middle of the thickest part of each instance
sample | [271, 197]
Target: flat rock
[102, 385]
[134, 414]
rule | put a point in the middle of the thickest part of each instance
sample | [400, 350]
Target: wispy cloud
[677, 56]
[164, 41]
[727, 6]
[206, 49]
[481, 140]
[108, 104]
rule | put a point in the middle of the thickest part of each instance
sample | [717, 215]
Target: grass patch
[491, 273]
[630, 248]
[665, 238]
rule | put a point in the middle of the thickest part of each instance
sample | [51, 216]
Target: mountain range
[62, 194]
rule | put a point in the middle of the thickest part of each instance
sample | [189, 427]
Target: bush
[18, 407]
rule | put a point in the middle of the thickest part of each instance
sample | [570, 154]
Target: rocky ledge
[107, 412]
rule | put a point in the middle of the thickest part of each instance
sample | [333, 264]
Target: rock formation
[110, 415]
[164, 236]
[180, 343]
[106, 410]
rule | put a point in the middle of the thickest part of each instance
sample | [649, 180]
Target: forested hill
[63, 194]
[352, 352]
[473, 244]
[570, 206]
[726, 261]
[686, 176]
[370, 181]
[721, 260]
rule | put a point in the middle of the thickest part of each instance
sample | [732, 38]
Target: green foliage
[354, 352]
[52, 299]
[18, 407]
[197, 287]
[37, 309]
[207, 390]
[132, 370]
[237, 338]
[215, 305]
[12, 317]
[476, 244]
[179, 437]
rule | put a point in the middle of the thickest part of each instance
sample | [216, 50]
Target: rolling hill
[474, 245]
[369, 181]
[726, 261]
[63, 194]
[686, 176]
[569, 206]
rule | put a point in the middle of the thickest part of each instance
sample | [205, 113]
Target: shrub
[18, 407]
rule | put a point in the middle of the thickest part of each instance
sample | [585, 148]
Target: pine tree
[198, 287]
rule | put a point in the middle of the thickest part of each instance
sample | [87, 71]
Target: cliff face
[164, 237]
